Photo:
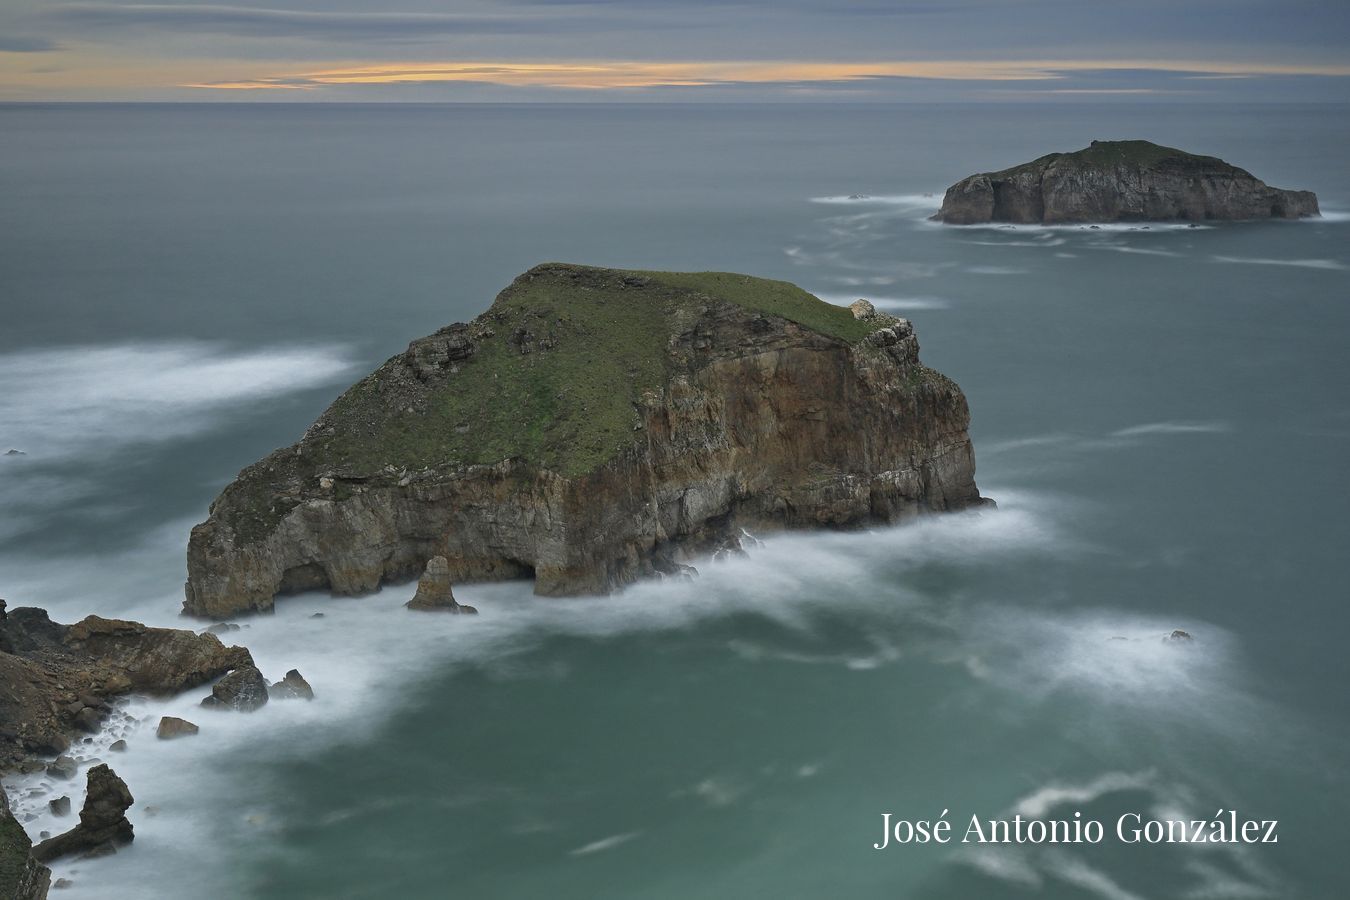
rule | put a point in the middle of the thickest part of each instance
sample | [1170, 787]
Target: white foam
[995, 270]
[1044, 799]
[1143, 251]
[1151, 428]
[1332, 264]
[608, 843]
[71, 401]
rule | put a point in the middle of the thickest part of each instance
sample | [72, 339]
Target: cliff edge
[591, 427]
[1120, 181]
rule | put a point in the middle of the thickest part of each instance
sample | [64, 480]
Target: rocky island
[594, 426]
[1120, 181]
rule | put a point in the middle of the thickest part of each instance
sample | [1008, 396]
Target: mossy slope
[560, 360]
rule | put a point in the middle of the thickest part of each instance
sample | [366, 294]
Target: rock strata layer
[594, 426]
[1120, 181]
[60, 679]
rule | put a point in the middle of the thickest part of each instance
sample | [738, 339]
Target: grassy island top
[559, 364]
[1108, 154]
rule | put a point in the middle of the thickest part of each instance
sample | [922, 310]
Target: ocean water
[1162, 414]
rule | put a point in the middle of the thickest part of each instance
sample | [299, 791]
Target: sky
[677, 50]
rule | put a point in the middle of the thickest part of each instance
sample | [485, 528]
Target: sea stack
[594, 426]
[1120, 181]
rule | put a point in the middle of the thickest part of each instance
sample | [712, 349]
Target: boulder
[243, 690]
[60, 806]
[171, 727]
[862, 309]
[63, 767]
[293, 687]
[103, 822]
[118, 746]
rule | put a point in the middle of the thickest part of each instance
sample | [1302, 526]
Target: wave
[996, 270]
[1333, 264]
[924, 201]
[1172, 428]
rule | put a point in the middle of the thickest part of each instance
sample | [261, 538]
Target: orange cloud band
[632, 74]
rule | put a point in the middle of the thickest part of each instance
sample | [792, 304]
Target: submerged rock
[243, 690]
[171, 727]
[593, 427]
[103, 822]
[1120, 181]
[63, 767]
[1179, 636]
[293, 687]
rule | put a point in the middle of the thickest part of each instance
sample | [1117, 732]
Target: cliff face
[21, 876]
[1120, 181]
[592, 427]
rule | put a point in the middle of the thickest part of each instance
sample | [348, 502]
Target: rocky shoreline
[60, 684]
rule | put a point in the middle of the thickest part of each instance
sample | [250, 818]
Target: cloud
[242, 21]
[612, 74]
[17, 43]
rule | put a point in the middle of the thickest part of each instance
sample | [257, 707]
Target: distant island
[1120, 181]
[592, 427]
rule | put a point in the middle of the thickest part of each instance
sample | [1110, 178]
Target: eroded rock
[103, 822]
[293, 687]
[243, 690]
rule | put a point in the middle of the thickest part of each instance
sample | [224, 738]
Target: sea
[1162, 414]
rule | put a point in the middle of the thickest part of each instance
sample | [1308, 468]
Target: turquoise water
[1162, 415]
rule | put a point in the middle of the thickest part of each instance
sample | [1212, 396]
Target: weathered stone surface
[60, 806]
[1120, 181]
[103, 822]
[58, 679]
[63, 767]
[293, 687]
[171, 727]
[434, 590]
[118, 746]
[734, 414]
[243, 690]
[22, 876]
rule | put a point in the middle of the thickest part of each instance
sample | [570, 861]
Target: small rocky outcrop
[1120, 181]
[593, 427]
[103, 822]
[243, 690]
[435, 592]
[292, 687]
[22, 876]
[60, 680]
[171, 727]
